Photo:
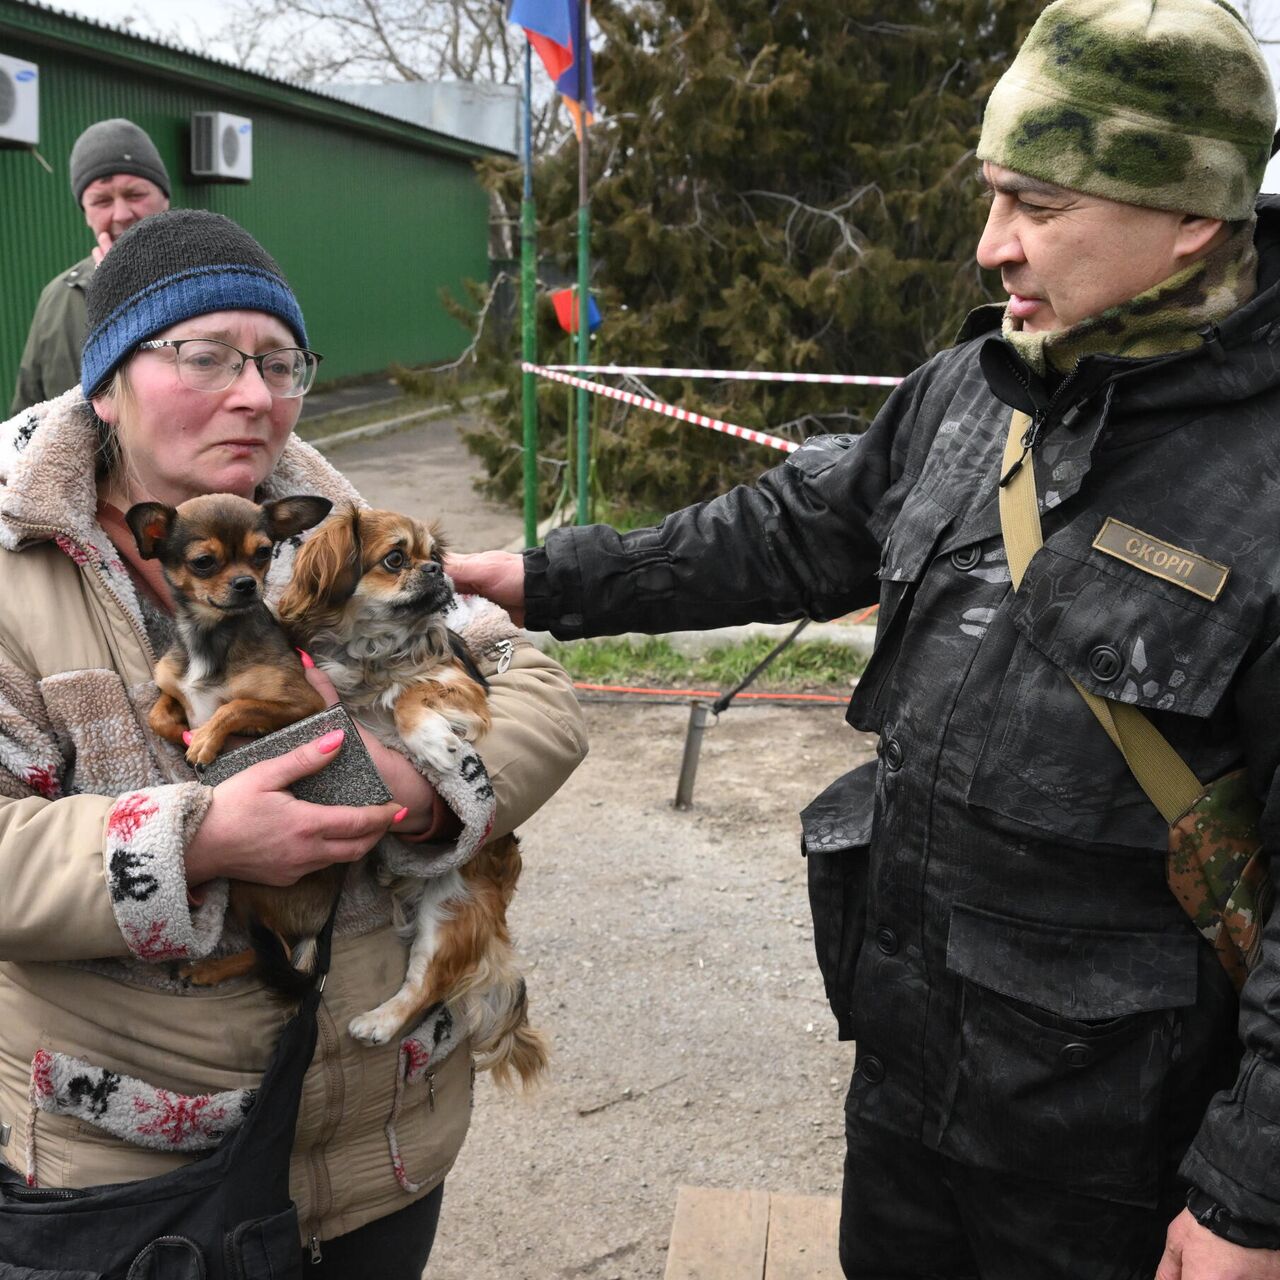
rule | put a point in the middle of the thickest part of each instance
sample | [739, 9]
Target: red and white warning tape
[659, 406]
[736, 375]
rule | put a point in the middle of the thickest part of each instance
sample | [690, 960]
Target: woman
[115, 859]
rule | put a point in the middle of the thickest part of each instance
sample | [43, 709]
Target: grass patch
[814, 666]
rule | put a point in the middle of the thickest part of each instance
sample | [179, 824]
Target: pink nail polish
[186, 737]
[307, 661]
[401, 816]
[330, 742]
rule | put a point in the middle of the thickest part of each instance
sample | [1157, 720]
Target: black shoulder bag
[226, 1216]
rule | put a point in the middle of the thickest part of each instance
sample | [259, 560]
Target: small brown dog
[367, 601]
[232, 670]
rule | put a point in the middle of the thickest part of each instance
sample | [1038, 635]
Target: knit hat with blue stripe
[168, 268]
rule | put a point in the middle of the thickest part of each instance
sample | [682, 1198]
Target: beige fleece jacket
[95, 814]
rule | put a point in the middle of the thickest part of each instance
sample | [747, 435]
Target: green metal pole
[529, 315]
[584, 357]
[584, 281]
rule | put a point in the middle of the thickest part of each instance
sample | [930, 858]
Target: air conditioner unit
[221, 146]
[19, 102]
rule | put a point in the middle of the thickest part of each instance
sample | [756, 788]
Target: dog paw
[203, 748]
[436, 743]
[197, 974]
[375, 1027]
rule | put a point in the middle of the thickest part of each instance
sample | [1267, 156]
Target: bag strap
[324, 939]
[1161, 772]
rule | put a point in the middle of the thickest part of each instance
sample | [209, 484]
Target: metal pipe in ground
[699, 715]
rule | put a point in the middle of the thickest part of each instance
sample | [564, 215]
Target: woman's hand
[256, 829]
[411, 790]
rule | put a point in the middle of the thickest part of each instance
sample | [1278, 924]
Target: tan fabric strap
[1161, 772]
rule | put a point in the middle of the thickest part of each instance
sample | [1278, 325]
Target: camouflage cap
[1161, 103]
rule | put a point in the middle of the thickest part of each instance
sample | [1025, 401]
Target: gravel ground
[669, 957]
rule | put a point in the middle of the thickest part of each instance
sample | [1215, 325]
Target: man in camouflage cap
[1050, 1083]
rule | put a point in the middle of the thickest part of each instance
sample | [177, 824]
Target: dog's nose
[430, 569]
[244, 585]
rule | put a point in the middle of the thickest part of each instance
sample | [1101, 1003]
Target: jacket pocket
[1046, 761]
[266, 1248]
[430, 1111]
[907, 550]
[836, 838]
[1066, 1037]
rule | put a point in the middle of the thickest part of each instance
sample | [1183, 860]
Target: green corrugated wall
[369, 217]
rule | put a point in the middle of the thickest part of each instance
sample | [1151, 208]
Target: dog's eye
[394, 560]
[203, 565]
[261, 556]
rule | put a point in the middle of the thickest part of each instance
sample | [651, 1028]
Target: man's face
[113, 204]
[1064, 256]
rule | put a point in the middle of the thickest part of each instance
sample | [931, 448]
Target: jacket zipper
[322, 1189]
[15, 1191]
[1039, 419]
[505, 649]
[231, 1252]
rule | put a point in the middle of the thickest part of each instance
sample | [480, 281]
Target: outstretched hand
[496, 575]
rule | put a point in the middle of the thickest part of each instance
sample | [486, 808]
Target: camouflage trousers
[909, 1212]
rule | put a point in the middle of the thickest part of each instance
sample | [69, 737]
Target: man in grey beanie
[117, 178]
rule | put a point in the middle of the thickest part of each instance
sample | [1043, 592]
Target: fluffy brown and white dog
[367, 600]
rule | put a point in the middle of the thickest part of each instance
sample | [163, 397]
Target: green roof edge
[42, 24]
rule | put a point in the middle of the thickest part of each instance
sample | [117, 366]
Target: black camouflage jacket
[1029, 996]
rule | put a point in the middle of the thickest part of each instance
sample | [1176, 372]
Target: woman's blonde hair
[113, 451]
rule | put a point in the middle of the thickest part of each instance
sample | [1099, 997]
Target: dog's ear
[287, 516]
[326, 570]
[151, 523]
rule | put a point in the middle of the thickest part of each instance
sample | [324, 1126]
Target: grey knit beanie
[115, 146]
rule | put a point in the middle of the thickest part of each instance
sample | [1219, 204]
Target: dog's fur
[367, 601]
[231, 670]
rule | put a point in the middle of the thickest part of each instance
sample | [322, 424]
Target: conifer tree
[777, 184]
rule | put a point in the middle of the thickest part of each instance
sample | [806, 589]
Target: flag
[552, 28]
[565, 302]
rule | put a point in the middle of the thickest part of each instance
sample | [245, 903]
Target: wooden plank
[804, 1238]
[718, 1235]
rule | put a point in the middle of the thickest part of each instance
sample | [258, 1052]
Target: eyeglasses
[205, 364]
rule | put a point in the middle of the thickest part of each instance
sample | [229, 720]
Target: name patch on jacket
[1201, 577]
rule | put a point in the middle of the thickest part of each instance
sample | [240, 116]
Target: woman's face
[176, 442]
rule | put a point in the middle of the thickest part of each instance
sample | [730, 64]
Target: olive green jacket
[51, 358]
